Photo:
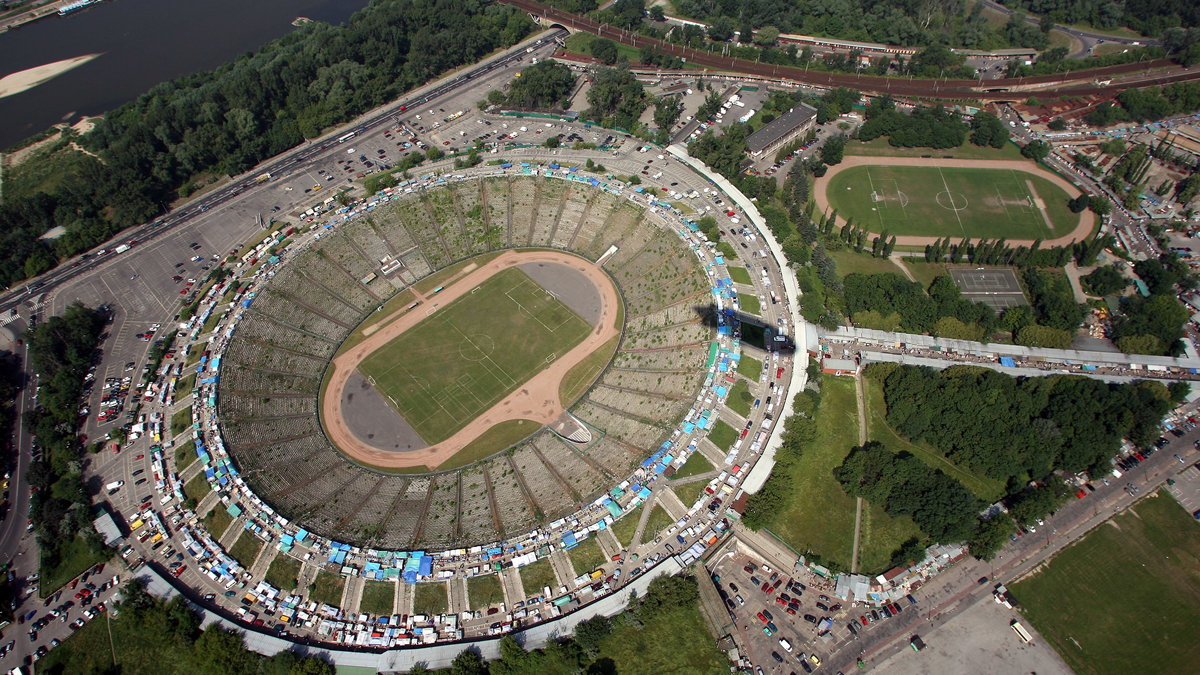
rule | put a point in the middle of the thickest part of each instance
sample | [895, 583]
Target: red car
[791, 610]
[761, 617]
[139, 457]
[781, 601]
[863, 619]
[779, 373]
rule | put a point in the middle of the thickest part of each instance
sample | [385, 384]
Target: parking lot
[792, 622]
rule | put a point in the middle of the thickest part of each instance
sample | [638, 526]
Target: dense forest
[61, 351]
[1149, 17]
[149, 152]
[1009, 428]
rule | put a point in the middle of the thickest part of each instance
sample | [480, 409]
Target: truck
[114, 486]
[121, 249]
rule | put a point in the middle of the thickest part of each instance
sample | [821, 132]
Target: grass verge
[577, 380]
[378, 598]
[196, 489]
[490, 442]
[740, 275]
[537, 576]
[217, 520]
[694, 466]
[327, 588]
[484, 591]
[750, 368]
[181, 420]
[75, 559]
[723, 436]
[849, 262]
[587, 556]
[430, 599]
[740, 399]
[245, 550]
[749, 303]
[284, 572]
[185, 454]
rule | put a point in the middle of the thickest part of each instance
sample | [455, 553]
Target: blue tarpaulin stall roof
[495, 551]
[1008, 362]
[301, 535]
[410, 576]
[613, 509]
[247, 301]
[688, 427]
[426, 565]
[568, 540]
[660, 469]
[720, 260]
[644, 493]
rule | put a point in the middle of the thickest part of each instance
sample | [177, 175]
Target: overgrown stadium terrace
[274, 364]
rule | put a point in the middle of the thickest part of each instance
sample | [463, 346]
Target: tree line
[145, 154]
[61, 351]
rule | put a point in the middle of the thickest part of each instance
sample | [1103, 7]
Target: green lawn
[245, 549]
[849, 262]
[430, 599]
[537, 576]
[196, 489]
[74, 559]
[880, 147]
[750, 368]
[726, 249]
[184, 386]
[740, 400]
[988, 489]
[950, 202]
[581, 375]
[659, 520]
[673, 641]
[447, 369]
[185, 454]
[820, 515]
[624, 528]
[1126, 598]
[378, 598]
[587, 556]
[217, 520]
[925, 272]
[740, 275]
[688, 493]
[749, 303]
[283, 572]
[485, 590]
[694, 466]
[327, 588]
[579, 43]
[723, 436]
[495, 439]
[181, 420]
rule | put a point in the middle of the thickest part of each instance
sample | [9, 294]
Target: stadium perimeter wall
[799, 377]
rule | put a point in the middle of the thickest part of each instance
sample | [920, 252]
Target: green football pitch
[951, 202]
[466, 357]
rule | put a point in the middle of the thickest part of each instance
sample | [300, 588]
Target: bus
[1021, 632]
[347, 137]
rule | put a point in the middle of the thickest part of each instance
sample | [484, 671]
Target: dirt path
[1081, 231]
[862, 440]
[537, 399]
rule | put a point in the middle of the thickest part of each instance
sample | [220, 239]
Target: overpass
[1079, 83]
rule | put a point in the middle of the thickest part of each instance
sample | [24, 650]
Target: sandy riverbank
[24, 80]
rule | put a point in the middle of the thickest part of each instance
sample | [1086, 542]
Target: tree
[603, 49]
[1103, 281]
[1036, 150]
[1080, 203]
[833, 149]
[468, 662]
[657, 14]
[434, 153]
[666, 110]
[553, 142]
[990, 536]
[543, 85]
[1100, 205]
[721, 29]
[1045, 337]
[590, 634]
[988, 130]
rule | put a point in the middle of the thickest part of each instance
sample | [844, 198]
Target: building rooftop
[781, 126]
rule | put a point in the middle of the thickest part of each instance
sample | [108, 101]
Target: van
[787, 646]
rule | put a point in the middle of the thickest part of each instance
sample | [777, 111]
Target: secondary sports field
[469, 355]
[938, 201]
[1126, 598]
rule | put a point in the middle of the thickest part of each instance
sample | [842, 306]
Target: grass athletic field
[1125, 598]
[951, 202]
[472, 353]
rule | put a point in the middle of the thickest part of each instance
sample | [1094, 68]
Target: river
[141, 43]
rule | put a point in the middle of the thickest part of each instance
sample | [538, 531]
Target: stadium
[452, 281]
